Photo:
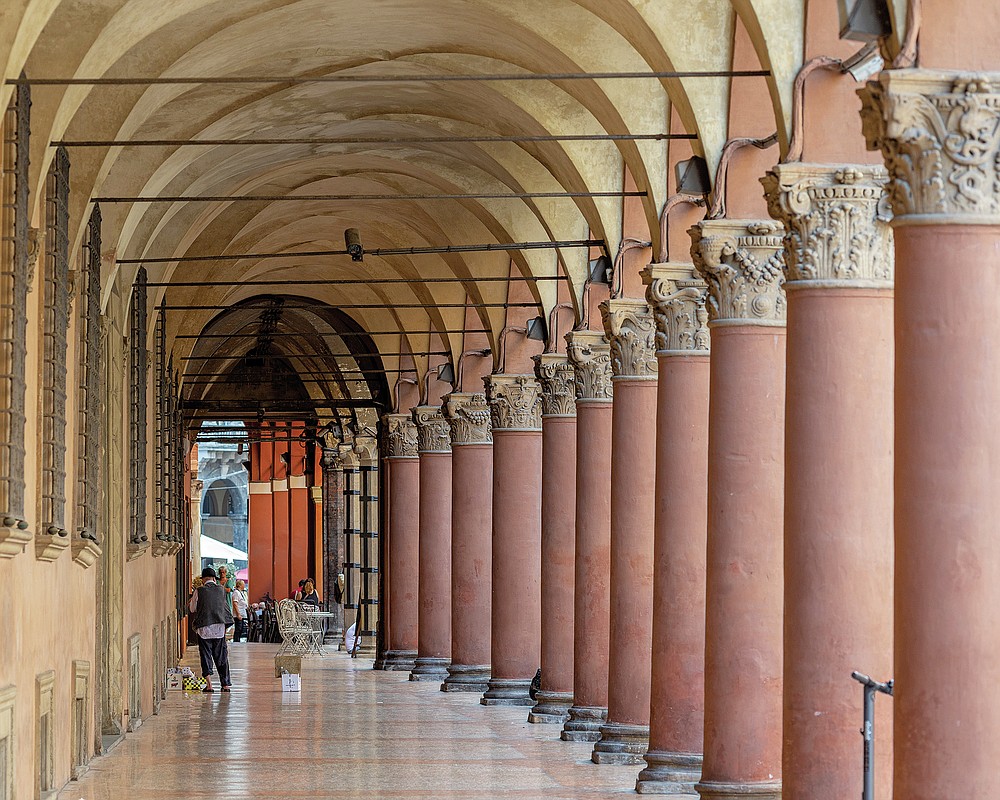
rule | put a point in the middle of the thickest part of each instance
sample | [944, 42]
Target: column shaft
[404, 560]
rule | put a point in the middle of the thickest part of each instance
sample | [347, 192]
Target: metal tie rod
[271, 198]
[355, 78]
[365, 140]
[344, 335]
[382, 251]
[350, 306]
[278, 356]
[353, 282]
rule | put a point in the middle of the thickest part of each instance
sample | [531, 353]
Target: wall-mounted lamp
[352, 238]
[692, 176]
[536, 329]
[600, 270]
[284, 458]
[864, 20]
[246, 465]
[446, 373]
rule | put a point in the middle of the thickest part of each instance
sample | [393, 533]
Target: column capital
[468, 415]
[742, 261]
[836, 223]
[629, 327]
[555, 374]
[590, 355]
[366, 448]
[401, 436]
[433, 435]
[676, 295]
[939, 133]
[331, 459]
[515, 402]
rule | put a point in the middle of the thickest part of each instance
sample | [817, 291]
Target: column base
[508, 692]
[718, 790]
[401, 660]
[551, 708]
[670, 773]
[430, 668]
[466, 678]
[621, 743]
[584, 724]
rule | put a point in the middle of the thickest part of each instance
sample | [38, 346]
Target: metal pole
[368, 306]
[354, 198]
[344, 335]
[354, 282]
[868, 730]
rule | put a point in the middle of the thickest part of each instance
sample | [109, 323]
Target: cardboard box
[175, 681]
[291, 682]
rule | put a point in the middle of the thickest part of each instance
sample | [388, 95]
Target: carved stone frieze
[939, 133]
[629, 327]
[468, 414]
[590, 355]
[401, 439]
[743, 263]
[836, 222]
[676, 296]
[555, 373]
[433, 434]
[515, 402]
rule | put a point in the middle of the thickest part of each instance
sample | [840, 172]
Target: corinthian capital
[677, 298]
[331, 456]
[515, 402]
[742, 261]
[433, 435]
[939, 133]
[555, 374]
[629, 326]
[401, 436]
[590, 355]
[469, 417]
[836, 222]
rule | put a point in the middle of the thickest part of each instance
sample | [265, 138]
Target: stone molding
[590, 355]
[468, 416]
[676, 296]
[401, 437]
[743, 263]
[515, 402]
[433, 435]
[555, 374]
[836, 223]
[631, 330]
[939, 133]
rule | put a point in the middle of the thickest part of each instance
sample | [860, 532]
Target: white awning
[220, 551]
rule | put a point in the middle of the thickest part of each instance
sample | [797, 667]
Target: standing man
[212, 615]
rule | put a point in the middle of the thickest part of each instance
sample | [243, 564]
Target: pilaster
[742, 261]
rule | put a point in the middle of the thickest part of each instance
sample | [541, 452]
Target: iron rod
[391, 251]
[354, 78]
[270, 198]
[352, 282]
[353, 305]
[366, 140]
[275, 356]
[344, 335]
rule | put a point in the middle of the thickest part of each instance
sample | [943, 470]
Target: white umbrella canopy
[220, 551]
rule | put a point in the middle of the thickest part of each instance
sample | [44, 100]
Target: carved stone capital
[366, 448]
[590, 355]
[433, 435]
[331, 456]
[515, 402]
[468, 414]
[555, 374]
[629, 327]
[677, 297]
[401, 436]
[743, 263]
[836, 222]
[939, 133]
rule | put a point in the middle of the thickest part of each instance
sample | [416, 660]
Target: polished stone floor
[352, 733]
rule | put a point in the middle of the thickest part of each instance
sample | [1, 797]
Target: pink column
[590, 355]
[434, 617]
[516, 409]
[742, 262]
[946, 706]
[630, 329]
[403, 543]
[471, 556]
[677, 678]
[555, 374]
[838, 469]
